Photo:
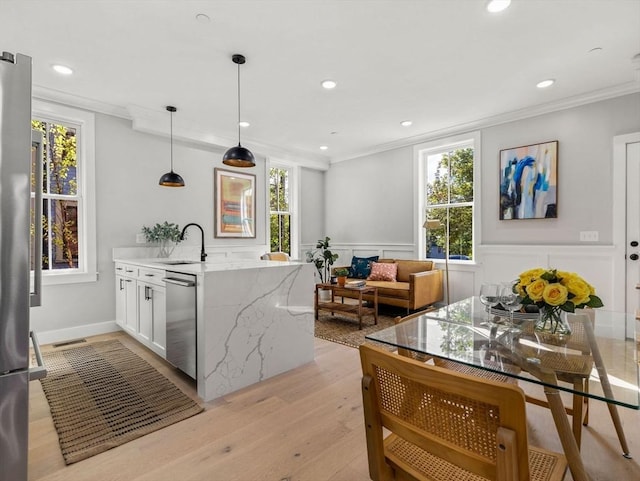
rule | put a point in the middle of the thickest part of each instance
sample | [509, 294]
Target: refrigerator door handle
[37, 143]
[40, 371]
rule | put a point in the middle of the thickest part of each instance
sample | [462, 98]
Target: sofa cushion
[383, 271]
[361, 267]
[399, 290]
[406, 267]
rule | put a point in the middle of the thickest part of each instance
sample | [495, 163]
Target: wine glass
[511, 301]
[489, 297]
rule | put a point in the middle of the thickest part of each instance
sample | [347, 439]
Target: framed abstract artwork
[529, 182]
[235, 204]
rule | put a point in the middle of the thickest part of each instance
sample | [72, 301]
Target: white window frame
[294, 202]
[420, 154]
[84, 122]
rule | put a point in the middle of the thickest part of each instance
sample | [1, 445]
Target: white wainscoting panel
[593, 263]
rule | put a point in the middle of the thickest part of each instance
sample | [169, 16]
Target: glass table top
[460, 332]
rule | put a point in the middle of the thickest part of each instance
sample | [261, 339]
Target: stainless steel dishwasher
[181, 321]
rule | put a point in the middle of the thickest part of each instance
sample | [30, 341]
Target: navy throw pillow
[361, 266]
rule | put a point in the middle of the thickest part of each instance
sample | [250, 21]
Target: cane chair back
[444, 425]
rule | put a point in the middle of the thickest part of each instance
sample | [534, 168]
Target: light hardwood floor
[304, 425]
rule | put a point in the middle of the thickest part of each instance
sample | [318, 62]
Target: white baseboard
[68, 333]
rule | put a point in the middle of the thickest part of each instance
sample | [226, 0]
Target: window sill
[52, 279]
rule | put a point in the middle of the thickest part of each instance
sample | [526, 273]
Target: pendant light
[171, 179]
[239, 156]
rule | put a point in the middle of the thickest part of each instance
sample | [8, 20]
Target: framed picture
[529, 182]
[235, 204]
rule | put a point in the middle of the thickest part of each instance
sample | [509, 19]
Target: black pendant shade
[171, 179]
[238, 156]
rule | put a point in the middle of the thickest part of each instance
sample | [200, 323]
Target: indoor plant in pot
[323, 258]
[166, 235]
[341, 273]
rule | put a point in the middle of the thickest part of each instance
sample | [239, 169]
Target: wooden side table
[359, 309]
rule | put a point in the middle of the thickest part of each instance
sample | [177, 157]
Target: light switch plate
[589, 236]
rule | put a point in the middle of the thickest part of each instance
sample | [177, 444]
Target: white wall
[370, 200]
[365, 205]
[585, 184]
[128, 166]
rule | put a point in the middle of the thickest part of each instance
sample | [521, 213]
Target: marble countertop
[197, 267]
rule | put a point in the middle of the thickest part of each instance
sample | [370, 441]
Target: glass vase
[166, 248]
[553, 321]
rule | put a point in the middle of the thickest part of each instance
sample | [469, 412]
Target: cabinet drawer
[153, 276]
[127, 270]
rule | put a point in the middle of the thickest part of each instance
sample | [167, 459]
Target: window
[448, 194]
[68, 206]
[282, 212]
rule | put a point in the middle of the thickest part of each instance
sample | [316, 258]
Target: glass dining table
[599, 360]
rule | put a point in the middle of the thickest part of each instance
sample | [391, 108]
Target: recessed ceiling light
[329, 84]
[62, 69]
[495, 6]
[595, 50]
[406, 123]
[202, 18]
[244, 123]
[545, 83]
[323, 147]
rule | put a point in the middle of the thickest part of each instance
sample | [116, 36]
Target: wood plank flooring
[304, 425]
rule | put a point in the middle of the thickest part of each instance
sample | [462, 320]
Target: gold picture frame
[235, 204]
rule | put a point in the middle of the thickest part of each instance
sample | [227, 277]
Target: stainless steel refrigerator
[17, 288]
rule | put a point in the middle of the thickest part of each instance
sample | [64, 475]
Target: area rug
[103, 395]
[343, 329]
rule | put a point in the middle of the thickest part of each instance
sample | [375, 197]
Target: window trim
[87, 256]
[294, 202]
[420, 152]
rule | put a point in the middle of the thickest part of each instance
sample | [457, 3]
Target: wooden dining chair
[424, 422]
[275, 256]
[576, 370]
[445, 363]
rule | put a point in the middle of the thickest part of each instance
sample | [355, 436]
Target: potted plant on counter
[341, 273]
[166, 235]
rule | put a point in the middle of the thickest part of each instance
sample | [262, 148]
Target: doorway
[626, 222]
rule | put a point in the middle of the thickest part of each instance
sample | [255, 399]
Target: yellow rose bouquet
[554, 292]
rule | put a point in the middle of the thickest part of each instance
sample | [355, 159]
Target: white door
[632, 235]
[626, 228]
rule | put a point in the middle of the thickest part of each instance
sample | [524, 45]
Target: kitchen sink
[178, 263]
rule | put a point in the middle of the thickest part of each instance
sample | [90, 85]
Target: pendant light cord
[238, 103]
[171, 139]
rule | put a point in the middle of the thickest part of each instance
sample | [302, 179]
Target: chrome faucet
[203, 254]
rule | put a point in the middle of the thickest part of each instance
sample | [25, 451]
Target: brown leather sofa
[417, 285]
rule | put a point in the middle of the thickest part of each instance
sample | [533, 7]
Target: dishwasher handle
[179, 282]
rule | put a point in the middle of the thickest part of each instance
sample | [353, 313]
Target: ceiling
[446, 65]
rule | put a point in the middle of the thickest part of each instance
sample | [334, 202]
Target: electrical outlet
[140, 239]
[589, 236]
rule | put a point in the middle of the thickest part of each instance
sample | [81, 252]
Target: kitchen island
[254, 319]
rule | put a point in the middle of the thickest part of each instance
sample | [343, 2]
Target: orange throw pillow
[383, 271]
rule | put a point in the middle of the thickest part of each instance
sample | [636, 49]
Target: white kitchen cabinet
[126, 303]
[152, 314]
[141, 305]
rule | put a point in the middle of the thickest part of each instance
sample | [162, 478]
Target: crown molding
[521, 114]
[57, 96]
[155, 123]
